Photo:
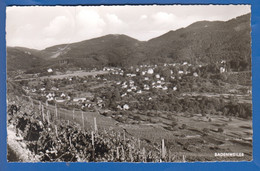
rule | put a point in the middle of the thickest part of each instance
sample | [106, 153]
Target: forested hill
[201, 42]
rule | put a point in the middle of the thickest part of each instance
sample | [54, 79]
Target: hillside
[206, 41]
[201, 42]
[22, 59]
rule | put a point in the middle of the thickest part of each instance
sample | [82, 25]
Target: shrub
[220, 130]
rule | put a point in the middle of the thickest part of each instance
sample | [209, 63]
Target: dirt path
[17, 149]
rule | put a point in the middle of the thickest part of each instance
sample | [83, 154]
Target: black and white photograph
[129, 83]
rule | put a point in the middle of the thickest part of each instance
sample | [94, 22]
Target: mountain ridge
[202, 41]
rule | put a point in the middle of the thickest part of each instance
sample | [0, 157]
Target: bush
[183, 126]
[220, 130]
[174, 124]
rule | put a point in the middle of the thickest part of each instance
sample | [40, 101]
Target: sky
[39, 27]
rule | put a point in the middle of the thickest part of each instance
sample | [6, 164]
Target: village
[163, 87]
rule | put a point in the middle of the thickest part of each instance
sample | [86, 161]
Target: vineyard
[53, 139]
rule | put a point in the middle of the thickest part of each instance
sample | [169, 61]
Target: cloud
[143, 17]
[112, 18]
[164, 18]
[57, 26]
[89, 23]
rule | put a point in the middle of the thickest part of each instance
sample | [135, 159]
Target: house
[49, 95]
[143, 72]
[139, 91]
[159, 86]
[59, 100]
[42, 89]
[54, 89]
[174, 88]
[146, 78]
[157, 76]
[165, 88]
[119, 107]
[172, 77]
[126, 107]
[50, 99]
[50, 70]
[129, 90]
[82, 99]
[137, 70]
[62, 95]
[150, 71]
[131, 82]
[195, 74]
[162, 79]
[180, 72]
[222, 69]
[133, 88]
[124, 86]
[185, 63]
[123, 95]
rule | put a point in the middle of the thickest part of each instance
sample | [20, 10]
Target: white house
[222, 69]
[133, 88]
[123, 95]
[50, 70]
[126, 107]
[180, 72]
[174, 88]
[79, 99]
[146, 78]
[119, 107]
[124, 86]
[150, 71]
[157, 76]
[42, 89]
[139, 91]
[159, 86]
[146, 87]
[165, 88]
[195, 74]
[58, 100]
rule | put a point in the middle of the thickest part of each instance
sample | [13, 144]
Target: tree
[116, 95]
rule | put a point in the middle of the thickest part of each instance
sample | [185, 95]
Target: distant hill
[201, 42]
[22, 59]
[206, 41]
